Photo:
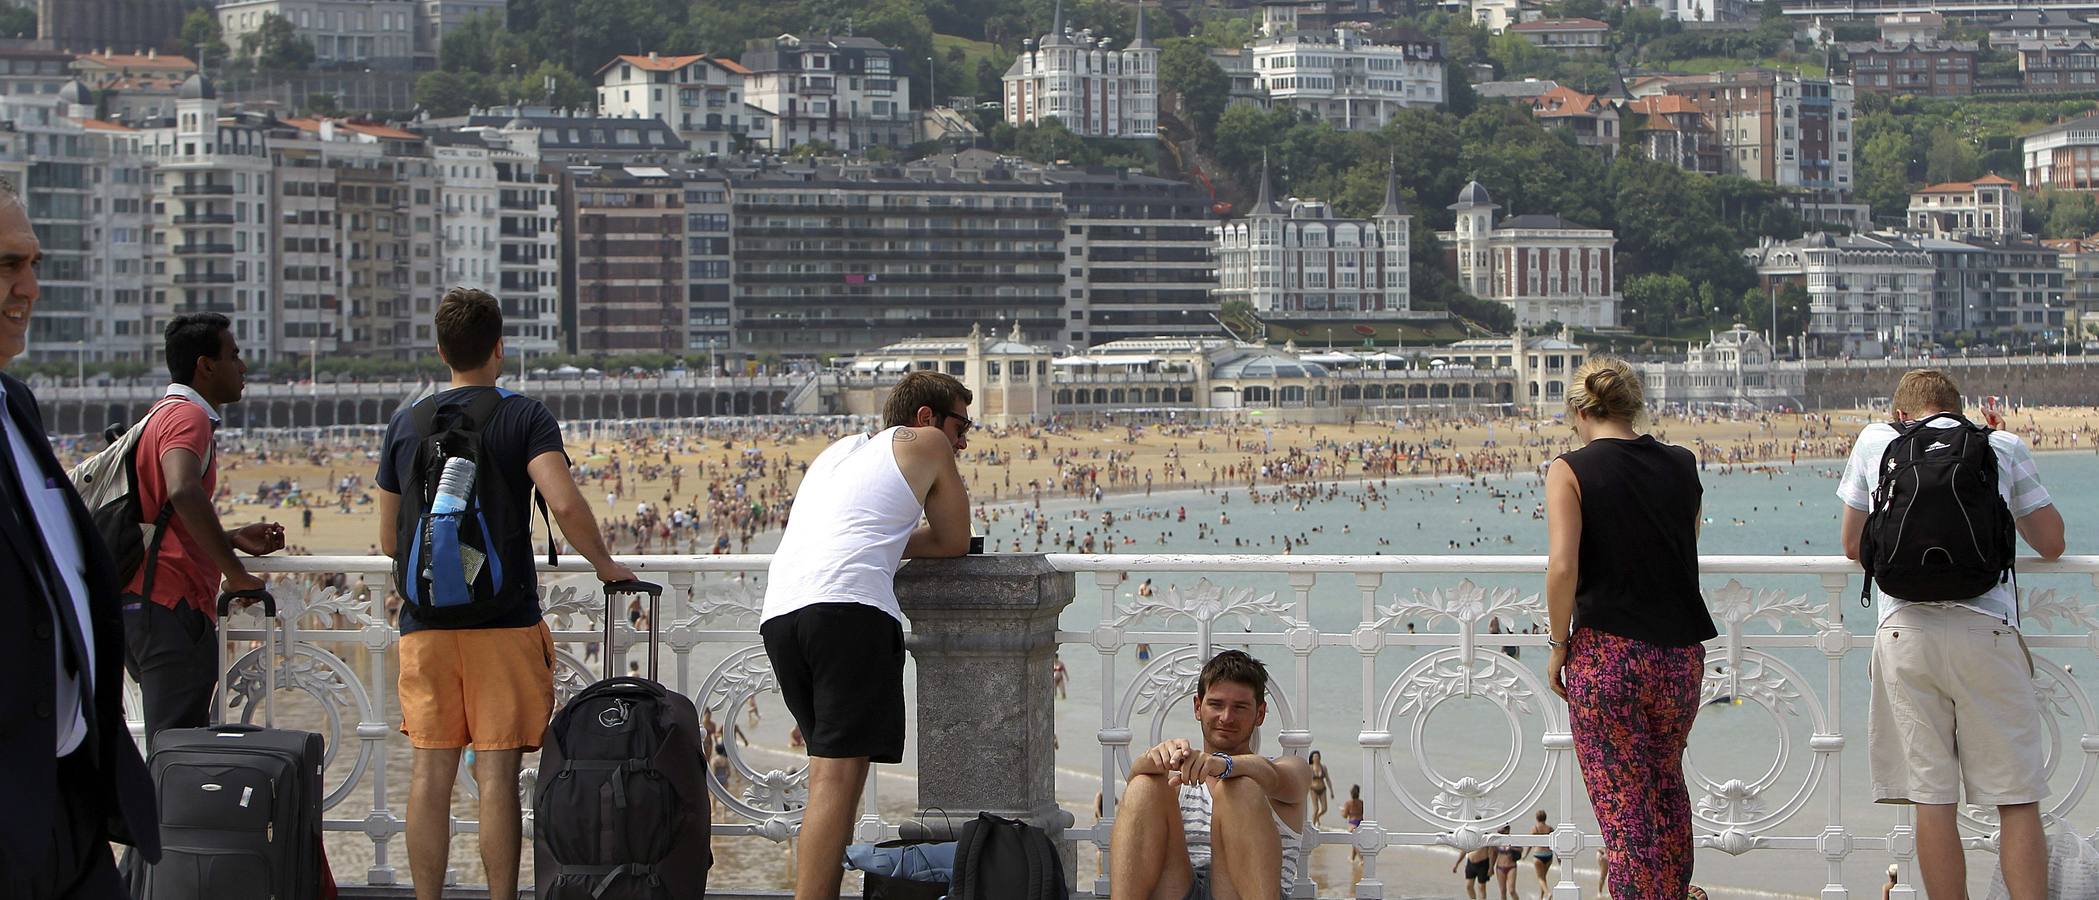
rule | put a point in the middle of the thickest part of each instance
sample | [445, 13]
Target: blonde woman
[1627, 624]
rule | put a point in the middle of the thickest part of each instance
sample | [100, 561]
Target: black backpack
[1004, 859]
[430, 546]
[622, 811]
[1939, 530]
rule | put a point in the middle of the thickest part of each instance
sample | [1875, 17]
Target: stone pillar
[984, 631]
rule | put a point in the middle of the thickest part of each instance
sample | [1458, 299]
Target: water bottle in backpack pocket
[451, 572]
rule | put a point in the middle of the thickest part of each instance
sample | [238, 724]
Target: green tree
[1949, 157]
[1655, 302]
[1883, 172]
[453, 93]
[1189, 73]
[547, 83]
[2061, 214]
[276, 46]
[200, 32]
[18, 21]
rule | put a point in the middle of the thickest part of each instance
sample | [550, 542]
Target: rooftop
[1574, 24]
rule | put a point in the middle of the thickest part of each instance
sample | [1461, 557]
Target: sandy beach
[735, 486]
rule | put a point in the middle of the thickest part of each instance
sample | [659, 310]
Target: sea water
[1789, 510]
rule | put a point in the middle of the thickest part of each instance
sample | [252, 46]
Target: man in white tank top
[831, 624]
[1183, 810]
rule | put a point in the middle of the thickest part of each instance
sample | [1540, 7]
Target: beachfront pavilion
[1174, 377]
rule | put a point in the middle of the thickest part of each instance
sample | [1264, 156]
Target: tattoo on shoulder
[905, 434]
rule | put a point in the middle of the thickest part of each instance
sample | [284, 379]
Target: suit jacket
[29, 791]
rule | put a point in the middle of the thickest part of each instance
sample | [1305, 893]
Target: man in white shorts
[1181, 805]
[1942, 669]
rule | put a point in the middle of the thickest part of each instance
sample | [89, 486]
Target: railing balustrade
[1364, 651]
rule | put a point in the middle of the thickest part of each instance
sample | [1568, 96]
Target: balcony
[899, 278]
[203, 249]
[203, 190]
[204, 219]
[1353, 676]
[193, 278]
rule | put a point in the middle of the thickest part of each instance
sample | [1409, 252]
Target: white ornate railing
[1425, 615]
[1796, 808]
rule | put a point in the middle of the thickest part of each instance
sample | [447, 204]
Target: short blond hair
[1927, 391]
[1607, 388]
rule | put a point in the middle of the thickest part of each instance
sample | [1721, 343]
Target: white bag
[2073, 870]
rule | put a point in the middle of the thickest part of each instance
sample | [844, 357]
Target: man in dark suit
[73, 780]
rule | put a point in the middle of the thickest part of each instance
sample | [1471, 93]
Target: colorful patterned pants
[1631, 704]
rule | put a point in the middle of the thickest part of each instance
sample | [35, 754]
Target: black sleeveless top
[1638, 575]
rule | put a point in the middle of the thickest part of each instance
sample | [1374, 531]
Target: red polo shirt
[185, 574]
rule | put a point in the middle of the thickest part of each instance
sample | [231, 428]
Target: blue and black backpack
[450, 567]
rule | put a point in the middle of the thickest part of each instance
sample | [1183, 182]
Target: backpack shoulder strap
[1042, 863]
[969, 858]
[166, 512]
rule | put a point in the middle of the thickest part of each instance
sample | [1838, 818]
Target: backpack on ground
[1005, 859]
[448, 566]
[621, 811]
[108, 487]
[1939, 530]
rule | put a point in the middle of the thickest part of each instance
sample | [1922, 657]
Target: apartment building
[1917, 68]
[2003, 291]
[213, 220]
[129, 24]
[2045, 25]
[701, 96]
[861, 255]
[1344, 78]
[2064, 156]
[1577, 36]
[1083, 83]
[623, 241]
[1138, 256]
[1868, 295]
[528, 248]
[2048, 67]
[709, 303]
[1299, 260]
[1779, 128]
[1285, 16]
[388, 34]
[84, 186]
[848, 92]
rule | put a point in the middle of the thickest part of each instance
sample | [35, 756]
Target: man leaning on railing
[1953, 703]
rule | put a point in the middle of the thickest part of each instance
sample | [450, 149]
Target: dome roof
[197, 87]
[1267, 365]
[1472, 195]
[75, 93]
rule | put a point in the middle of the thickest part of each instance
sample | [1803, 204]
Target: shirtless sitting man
[1181, 803]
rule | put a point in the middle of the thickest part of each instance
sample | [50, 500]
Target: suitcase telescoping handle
[269, 661]
[616, 588]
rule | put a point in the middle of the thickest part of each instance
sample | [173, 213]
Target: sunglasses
[944, 415]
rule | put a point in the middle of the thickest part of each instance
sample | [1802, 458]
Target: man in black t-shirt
[489, 685]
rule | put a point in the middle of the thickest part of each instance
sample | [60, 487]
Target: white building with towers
[1079, 80]
[1298, 260]
[1541, 266]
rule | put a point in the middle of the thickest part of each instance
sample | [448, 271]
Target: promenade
[1414, 628]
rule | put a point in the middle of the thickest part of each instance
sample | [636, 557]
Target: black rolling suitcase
[240, 806]
[622, 812]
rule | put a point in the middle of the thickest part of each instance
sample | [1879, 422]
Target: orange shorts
[488, 688]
